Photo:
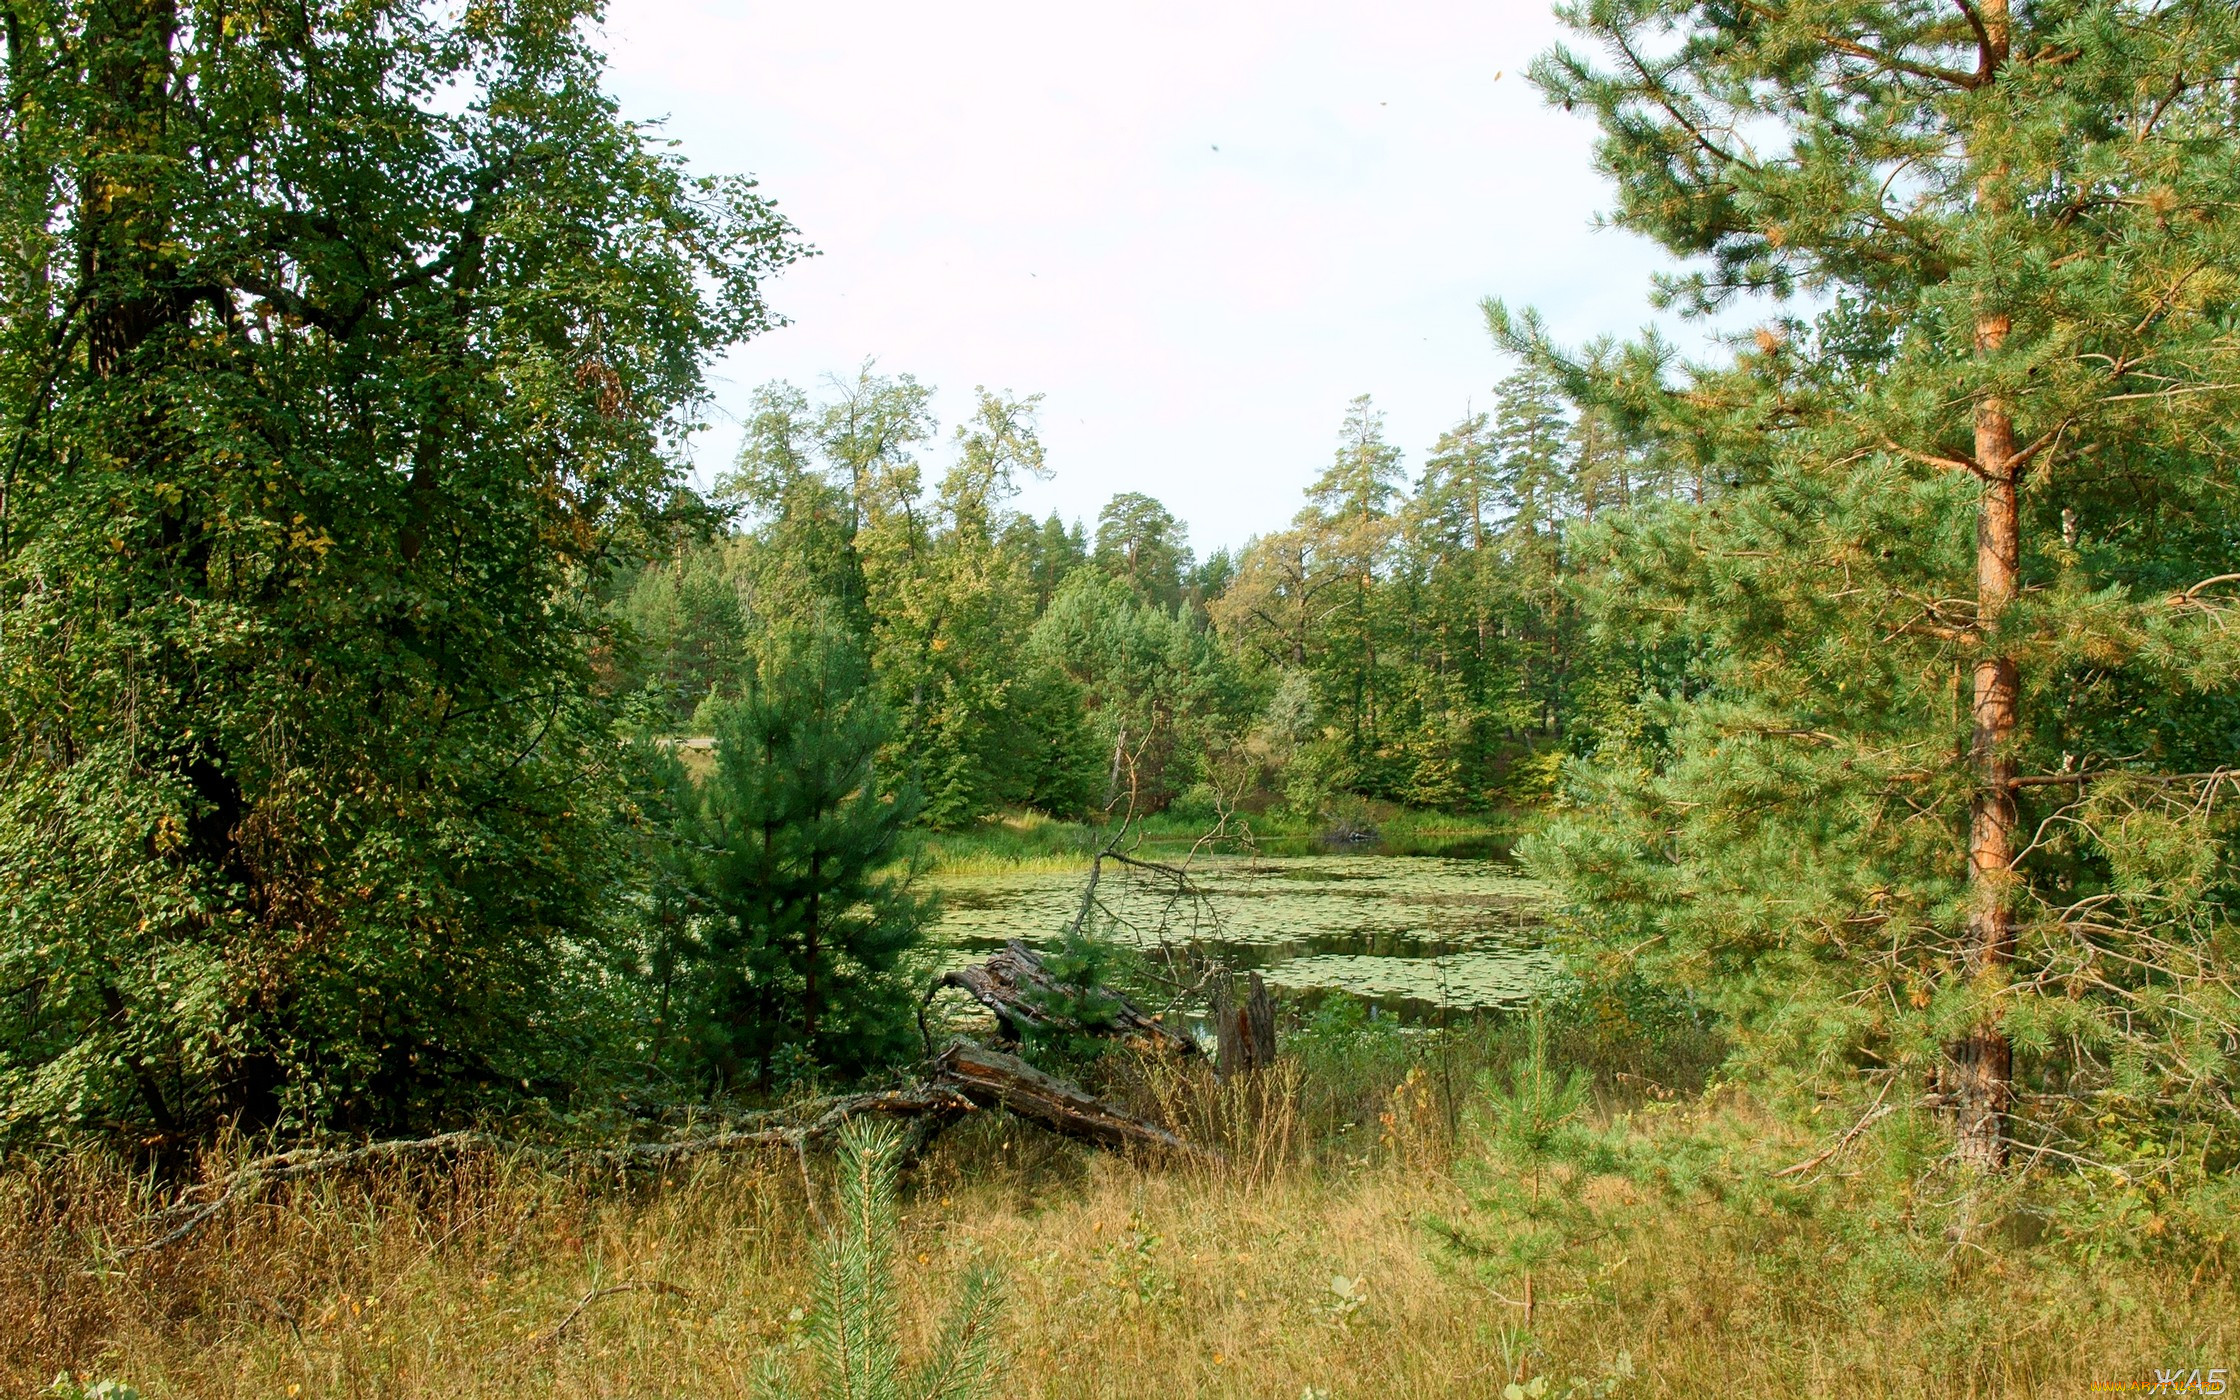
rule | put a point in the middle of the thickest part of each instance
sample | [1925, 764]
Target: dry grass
[1123, 1280]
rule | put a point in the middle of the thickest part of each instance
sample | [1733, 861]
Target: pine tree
[1963, 573]
[1532, 482]
[1053, 552]
[1458, 697]
[1534, 489]
[1533, 1188]
[1363, 481]
[1141, 543]
[1459, 496]
[853, 1327]
[801, 957]
[1350, 515]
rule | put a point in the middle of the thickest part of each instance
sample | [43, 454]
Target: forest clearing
[1315, 1272]
[549, 847]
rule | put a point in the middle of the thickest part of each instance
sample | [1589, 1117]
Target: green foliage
[853, 1325]
[2002, 233]
[1529, 1211]
[341, 349]
[687, 621]
[1159, 691]
[1446, 660]
[1416, 645]
[1337, 1041]
[1140, 543]
[808, 921]
[1085, 1003]
[1055, 758]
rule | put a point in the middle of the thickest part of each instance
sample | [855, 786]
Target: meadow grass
[1311, 1263]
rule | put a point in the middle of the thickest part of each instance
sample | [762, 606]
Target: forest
[477, 909]
[1408, 639]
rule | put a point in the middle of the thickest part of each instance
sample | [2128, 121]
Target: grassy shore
[1314, 1262]
[1029, 841]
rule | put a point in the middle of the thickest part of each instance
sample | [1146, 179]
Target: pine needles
[854, 1329]
[1533, 1199]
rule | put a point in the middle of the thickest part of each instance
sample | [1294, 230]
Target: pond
[1411, 934]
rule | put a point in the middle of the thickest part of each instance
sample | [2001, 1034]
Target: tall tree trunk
[123, 225]
[1982, 1059]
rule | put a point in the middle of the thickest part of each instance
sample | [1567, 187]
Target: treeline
[882, 643]
[1411, 636]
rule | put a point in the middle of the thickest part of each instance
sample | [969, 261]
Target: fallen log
[927, 1106]
[962, 1079]
[1015, 985]
[931, 1104]
[994, 1079]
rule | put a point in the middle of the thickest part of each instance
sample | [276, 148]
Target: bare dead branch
[1867, 1120]
[1958, 464]
[547, 1338]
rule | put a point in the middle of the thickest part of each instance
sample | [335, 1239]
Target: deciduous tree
[342, 346]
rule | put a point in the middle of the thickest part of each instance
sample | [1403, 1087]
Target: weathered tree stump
[1244, 1031]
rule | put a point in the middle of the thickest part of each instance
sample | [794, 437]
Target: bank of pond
[1409, 935]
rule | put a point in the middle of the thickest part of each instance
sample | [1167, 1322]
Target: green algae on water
[1436, 931]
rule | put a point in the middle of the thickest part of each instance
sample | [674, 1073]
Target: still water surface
[1413, 933]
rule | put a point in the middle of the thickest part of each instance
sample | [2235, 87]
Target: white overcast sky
[1197, 228]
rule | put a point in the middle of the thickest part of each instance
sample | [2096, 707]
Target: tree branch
[1656, 90]
[1958, 464]
[594, 1295]
[1871, 1116]
[2179, 599]
[1986, 62]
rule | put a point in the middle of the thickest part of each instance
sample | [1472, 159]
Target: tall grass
[1313, 1260]
[1216, 1287]
[1307, 1264]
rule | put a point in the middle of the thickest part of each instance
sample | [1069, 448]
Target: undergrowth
[1362, 1238]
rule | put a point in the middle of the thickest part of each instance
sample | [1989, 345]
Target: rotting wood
[1244, 1031]
[994, 1079]
[1015, 985]
[964, 1078]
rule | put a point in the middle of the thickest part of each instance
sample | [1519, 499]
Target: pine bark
[1983, 1059]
